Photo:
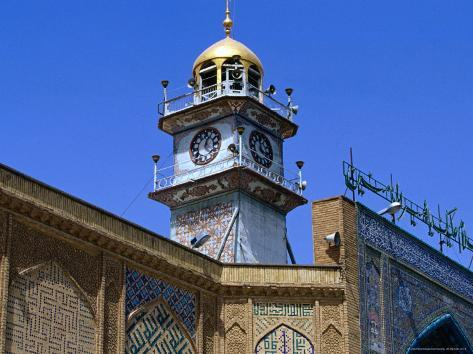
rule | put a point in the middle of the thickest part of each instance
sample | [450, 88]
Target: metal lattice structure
[449, 231]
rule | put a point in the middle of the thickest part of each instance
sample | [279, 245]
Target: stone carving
[47, 313]
[284, 340]
[236, 105]
[213, 220]
[142, 289]
[197, 192]
[156, 330]
[332, 341]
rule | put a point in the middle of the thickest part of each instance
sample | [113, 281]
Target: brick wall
[329, 216]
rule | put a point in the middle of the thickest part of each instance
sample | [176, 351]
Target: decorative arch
[47, 312]
[155, 329]
[443, 332]
[285, 340]
[208, 74]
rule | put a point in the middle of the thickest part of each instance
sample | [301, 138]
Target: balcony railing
[226, 88]
[179, 174]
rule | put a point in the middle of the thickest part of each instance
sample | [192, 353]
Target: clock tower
[228, 189]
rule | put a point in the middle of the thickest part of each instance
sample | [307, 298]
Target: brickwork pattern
[83, 267]
[236, 327]
[209, 308]
[112, 318]
[47, 313]
[329, 216]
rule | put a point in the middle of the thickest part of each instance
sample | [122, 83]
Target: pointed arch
[444, 332]
[154, 328]
[284, 339]
[48, 311]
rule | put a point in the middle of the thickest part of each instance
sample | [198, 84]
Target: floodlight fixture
[165, 83]
[191, 83]
[199, 240]
[391, 209]
[155, 158]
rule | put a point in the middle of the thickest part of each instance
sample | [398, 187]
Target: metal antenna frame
[448, 231]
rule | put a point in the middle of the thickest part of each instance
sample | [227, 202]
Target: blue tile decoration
[375, 231]
[412, 297]
[373, 304]
[416, 303]
[142, 289]
[157, 331]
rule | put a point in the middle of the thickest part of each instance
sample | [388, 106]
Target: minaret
[228, 190]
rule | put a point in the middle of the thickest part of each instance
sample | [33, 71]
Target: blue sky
[80, 82]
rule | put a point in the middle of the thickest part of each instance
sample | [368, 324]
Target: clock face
[205, 146]
[261, 149]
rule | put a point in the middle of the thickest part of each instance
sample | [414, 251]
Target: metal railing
[226, 88]
[175, 175]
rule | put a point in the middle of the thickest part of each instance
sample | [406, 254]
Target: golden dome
[227, 48]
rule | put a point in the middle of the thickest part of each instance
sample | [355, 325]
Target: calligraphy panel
[284, 340]
[157, 331]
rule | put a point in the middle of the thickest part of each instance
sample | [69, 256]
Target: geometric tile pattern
[142, 289]
[284, 340]
[407, 249]
[157, 331]
[213, 220]
[47, 314]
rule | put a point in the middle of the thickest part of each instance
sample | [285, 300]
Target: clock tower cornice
[245, 107]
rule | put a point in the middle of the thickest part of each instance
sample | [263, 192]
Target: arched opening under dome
[233, 76]
[254, 80]
[208, 80]
[445, 334]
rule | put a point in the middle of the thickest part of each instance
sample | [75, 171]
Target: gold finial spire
[228, 23]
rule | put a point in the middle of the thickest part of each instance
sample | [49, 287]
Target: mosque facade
[75, 278]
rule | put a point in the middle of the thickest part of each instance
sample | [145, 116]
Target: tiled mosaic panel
[373, 304]
[401, 322]
[213, 220]
[157, 331]
[416, 303]
[269, 315]
[405, 248]
[46, 314]
[142, 289]
[284, 340]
